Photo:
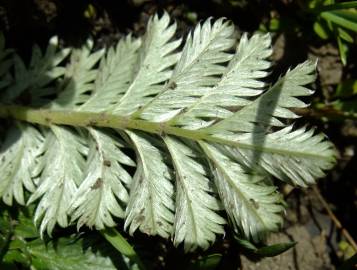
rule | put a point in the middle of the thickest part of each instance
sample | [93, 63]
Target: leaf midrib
[224, 78]
[102, 171]
[152, 216]
[238, 190]
[181, 181]
[49, 117]
[63, 178]
[175, 78]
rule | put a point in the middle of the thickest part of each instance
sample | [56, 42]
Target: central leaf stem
[74, 118]
[50, 117]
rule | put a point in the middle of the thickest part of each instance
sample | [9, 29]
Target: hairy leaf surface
[153, 67]
[151, 204]
[105, 182]
[196, 221]
[36, 79]
[164, 136]
[63, 165]
[250, 200]
[19, 163]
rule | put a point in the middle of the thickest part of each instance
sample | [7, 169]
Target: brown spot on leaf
[140, 218]
[162, 128]
[92, 123]
[172, 85]
[254, 203]
[98, 183]
[107, 163]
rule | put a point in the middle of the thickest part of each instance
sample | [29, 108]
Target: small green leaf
[15, 256]
[274, 250]
[17, 243]
[343, 50]
[274, 25]
[344, 35]
[321, 30]
[343, 18]
[120, 244]
[246, 244]
[25, 228]
[208, 262]
[265, 251]
[337, 6]
[64, 253]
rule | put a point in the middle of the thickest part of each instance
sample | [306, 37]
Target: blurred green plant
[330, 20]
[336, 20]
[341, 105]
[22, 248]
[345, 99]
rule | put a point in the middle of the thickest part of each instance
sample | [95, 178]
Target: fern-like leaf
[19, 163]
[207, 131]
[241, 80]
[251, 201]
[63, 164]
[79, 77]
[105, 182]
[151, 204]
[153, 67]
[196, 220]
[115, 74]
[38, 77]
[197, 70]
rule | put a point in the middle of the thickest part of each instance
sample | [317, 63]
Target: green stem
[50, 117]
[337, 6]
[319, 111]
[120, 244]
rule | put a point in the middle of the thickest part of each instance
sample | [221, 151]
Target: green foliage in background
[330, 20]
[338, 20]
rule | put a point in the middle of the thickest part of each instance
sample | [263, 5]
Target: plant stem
[120, 244]
[50, 117]
[335, 220]
[337, 6]
[325, 111]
